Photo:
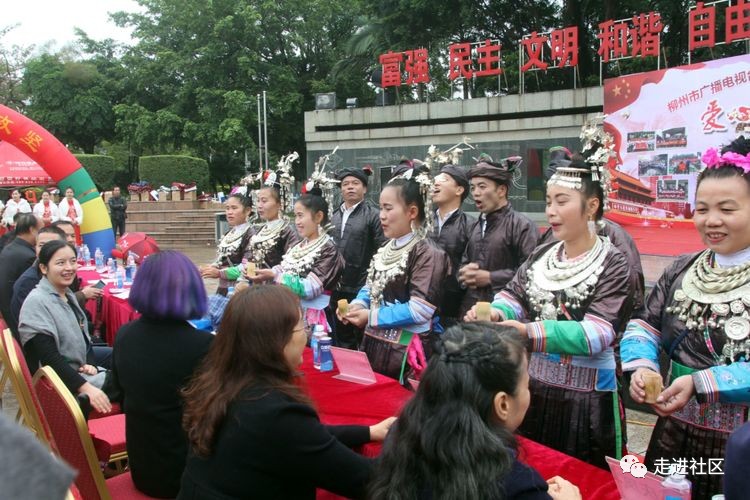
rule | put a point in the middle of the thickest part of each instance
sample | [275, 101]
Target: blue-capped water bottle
[119, 277]
[99, 259]
[130, 269]
[317, 334]
[676, 486]
[326, 357]
[86, 255]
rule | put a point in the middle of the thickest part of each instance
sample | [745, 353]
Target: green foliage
[12, 61]
[101, 168]
[70, 99]
[163, 170]
[188, 84]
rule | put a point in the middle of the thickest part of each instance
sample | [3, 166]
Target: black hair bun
[740, 146]
[316, 191]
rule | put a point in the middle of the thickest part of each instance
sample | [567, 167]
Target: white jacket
[63, 211]
[11, 208]
[53, 211]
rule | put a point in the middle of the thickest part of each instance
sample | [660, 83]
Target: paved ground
[639, 424]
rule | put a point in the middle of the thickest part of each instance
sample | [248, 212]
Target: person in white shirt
[14, 205]
[70, 210]
[46, 210]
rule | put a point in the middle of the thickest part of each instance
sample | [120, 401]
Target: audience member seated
[31, 277]
[14, 260]
[82, 293]
[454, 438]
[253, 432]
[153, 359]
[29, 470]
[54, 329]
[9, 234]
[736, 464]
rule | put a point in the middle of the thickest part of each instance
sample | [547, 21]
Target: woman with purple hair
[153, 358]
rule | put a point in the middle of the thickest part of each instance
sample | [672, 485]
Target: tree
[12, 61]
[70, 99]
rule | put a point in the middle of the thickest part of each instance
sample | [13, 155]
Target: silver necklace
[387, 264]
[301, 257]
[231, 241]
[265, 239]
[715, 298]
[553, 283]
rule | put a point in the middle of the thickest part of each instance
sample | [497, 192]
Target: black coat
[508, 240]
[363, 235]
[14, 260]
[117, 208]
[151, 362]
[452, 238]
[271, 447]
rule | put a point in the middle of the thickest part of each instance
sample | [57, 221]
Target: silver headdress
[598, 148]
[281, 179]
[426, 186]
[325, 182]
[435, 158]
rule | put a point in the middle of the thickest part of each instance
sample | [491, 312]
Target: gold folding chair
[74, 442]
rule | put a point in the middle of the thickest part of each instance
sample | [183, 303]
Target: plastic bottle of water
[119, 277]
[99, 259]
[676, 486]
[130, 269]
[86, 255]
[230, 292]
[111, 267]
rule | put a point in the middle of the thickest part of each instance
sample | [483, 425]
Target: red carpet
[665, 241]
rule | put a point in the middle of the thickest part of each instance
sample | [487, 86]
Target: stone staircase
[174, 225]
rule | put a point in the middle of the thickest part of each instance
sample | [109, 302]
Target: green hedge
[163, 170]
[102, 170]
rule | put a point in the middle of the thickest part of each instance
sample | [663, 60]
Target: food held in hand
[483, 311]
[653, 386]
[343, 307]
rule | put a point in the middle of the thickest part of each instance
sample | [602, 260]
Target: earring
[592, 227]
[413, 226]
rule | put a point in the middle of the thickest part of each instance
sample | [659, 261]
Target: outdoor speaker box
[325, 101]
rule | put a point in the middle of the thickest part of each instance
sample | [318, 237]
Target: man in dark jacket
[14, 260]
[451, 233]
[117, 211]
[358, 234]
[502, 238]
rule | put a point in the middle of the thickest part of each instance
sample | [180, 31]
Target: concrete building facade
[526, 125]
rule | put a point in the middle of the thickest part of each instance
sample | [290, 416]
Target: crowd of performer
[575, 293]
[546, 332]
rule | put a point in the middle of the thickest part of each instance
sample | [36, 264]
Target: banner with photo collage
[662, 121]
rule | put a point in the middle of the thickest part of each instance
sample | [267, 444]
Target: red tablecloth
[115, 311]
[340, 402]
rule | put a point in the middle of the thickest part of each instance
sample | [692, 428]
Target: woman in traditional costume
[571, 299]
[311, 268]
[698, 314]
[70, 210]
[15, 205]
[46, 210]
[233, 246]
[276, 236]
[398, 306]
